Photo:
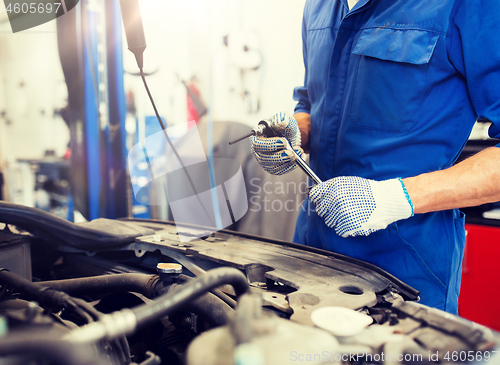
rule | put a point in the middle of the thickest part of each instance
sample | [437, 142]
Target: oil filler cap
[168, 268]
[168, 272]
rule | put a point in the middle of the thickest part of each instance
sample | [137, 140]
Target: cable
[163, 127]
[134, 31]
[210, 148]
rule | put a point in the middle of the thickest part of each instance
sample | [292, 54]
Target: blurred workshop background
[223, 61]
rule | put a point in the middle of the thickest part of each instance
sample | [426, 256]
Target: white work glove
[354, 206]
[270, 152]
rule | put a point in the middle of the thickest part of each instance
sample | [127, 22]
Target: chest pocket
[390, 78]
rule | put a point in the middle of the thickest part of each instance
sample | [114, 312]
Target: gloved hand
[270, 152]
[354, 206]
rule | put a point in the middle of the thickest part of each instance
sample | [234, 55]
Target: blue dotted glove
[354, 206]
[273, 153]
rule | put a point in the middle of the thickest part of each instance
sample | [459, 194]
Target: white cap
[340, 321]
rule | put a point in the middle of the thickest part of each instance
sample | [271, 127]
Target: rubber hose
[60, 352]
[48, 298]
[249, 310]
[147, 285]
[208, 306]
[60, 231]
[171, 302]
[138, 283]
[215, 310]
[217, 292]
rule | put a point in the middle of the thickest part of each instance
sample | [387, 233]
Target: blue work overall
[394, 88]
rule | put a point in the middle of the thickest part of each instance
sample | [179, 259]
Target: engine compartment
[92, 294]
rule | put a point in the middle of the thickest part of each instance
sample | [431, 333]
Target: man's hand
[271, 152]
[354, 206]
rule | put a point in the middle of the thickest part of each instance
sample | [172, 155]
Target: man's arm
[304, 122]
[355, 206]
[472, 182]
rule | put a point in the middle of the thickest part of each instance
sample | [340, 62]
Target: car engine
[132, 291]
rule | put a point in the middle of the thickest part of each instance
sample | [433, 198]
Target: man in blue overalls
[392, 90]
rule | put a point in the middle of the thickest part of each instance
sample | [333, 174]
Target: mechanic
[392, 90]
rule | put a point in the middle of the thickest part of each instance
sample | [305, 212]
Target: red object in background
[67, 154]
[480, 292]
[193, 115]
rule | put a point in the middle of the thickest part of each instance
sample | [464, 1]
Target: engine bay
[138, 292]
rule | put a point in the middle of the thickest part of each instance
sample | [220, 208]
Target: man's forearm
[472, 182]
[304, 122]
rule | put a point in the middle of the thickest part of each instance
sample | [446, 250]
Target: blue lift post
[105, 108]
[119, 183]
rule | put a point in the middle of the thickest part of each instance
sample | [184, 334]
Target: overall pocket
[390, 78]
[416, 263]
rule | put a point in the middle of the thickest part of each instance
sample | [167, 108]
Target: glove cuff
[393, 198]
[407, 196]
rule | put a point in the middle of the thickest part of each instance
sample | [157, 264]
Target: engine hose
[249, 311]
[198, 271]
[54, 300]
[138, 283]
[126, 321]
[97, 234]
[208, 306]
[147, 285]
[47, 298]
[147, 313]
[217, 292]
[213, 309]
[39, 346]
